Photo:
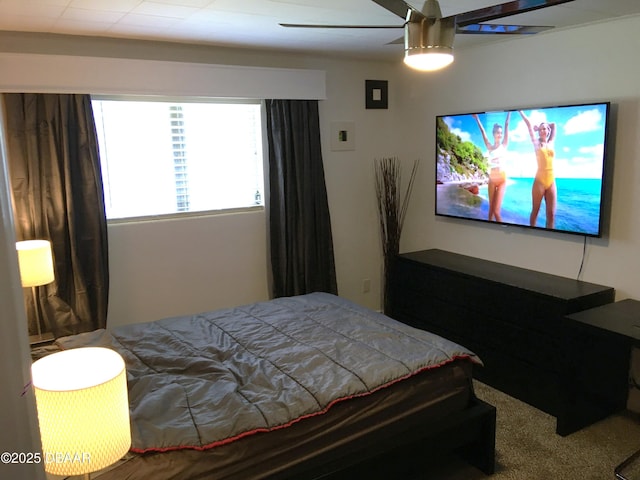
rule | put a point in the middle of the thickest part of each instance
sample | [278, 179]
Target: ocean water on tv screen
[577, 211]
[578, 204]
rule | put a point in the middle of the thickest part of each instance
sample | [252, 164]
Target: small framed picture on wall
[376, 94]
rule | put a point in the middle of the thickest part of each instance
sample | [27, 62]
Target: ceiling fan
[428, 36]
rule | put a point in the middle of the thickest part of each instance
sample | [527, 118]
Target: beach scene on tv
[539, 167]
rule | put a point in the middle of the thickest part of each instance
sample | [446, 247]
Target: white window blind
[167, 157]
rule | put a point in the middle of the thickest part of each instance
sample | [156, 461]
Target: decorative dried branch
[392, 207]
[392, 210]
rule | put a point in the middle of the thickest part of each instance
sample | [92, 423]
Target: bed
[304, 387]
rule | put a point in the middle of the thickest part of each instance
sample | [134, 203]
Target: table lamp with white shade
[83, 410]
[36, 269]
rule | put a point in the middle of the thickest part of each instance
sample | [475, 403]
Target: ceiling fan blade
[397, 41]
[493, 29]
[504, 10]
[399, 7]
[313, 25]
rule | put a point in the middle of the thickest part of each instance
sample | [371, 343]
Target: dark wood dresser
[517, 321]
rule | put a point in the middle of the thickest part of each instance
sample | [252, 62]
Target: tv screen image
[538, 167]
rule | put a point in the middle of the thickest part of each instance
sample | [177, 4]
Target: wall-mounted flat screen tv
[535, 167]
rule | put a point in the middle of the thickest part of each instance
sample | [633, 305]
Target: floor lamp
[83, 410]
[36, 269]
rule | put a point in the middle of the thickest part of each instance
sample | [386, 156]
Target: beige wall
[588, 64]
[174, 267]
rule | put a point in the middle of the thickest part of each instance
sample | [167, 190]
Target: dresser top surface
[542, 283]
[621, 317]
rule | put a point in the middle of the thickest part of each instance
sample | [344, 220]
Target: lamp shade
[83, 409]
[36, 262]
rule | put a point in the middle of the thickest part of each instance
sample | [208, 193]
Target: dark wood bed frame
[407, 446]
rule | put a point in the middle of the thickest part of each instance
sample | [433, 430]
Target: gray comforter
[205, 380]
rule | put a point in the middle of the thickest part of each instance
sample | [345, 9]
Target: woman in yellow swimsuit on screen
[496, 153]
[544, 184]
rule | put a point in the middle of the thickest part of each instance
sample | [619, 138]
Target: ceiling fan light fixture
[428, 41]
[428, 59]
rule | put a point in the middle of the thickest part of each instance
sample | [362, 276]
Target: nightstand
[608, 332]
[39, 340]
[622, 319]
[41, 345]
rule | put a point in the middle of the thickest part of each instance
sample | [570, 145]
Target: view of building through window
[163, 157]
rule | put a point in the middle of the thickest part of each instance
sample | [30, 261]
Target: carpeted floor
[529, 449]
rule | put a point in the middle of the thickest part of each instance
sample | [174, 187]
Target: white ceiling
[254, 23]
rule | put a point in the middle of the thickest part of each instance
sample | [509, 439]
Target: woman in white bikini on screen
[496, 153]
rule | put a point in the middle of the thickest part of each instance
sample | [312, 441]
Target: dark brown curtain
[301, 244]
[57, 192]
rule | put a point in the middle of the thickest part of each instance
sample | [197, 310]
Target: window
[164, 157]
